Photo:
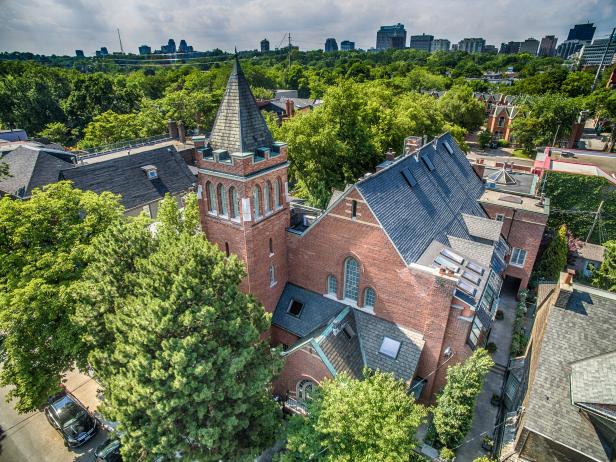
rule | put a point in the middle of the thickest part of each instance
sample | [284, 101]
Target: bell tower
[242, 187]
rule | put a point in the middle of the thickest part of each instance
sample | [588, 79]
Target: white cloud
[61, 26]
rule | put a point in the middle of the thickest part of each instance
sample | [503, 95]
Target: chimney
[290, 107]
[479, 168]
[412, 144]
[565, 289]
[390, 155]
[181, 132]
[173, 129]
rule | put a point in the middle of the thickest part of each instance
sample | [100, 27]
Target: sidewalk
[485, 413]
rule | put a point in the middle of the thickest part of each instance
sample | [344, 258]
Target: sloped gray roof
[592, 252]
[343, 353]
[125, 176]
[481, 253]
[483, 227]
[432, 209]
[593, 380]
[30, 168]
[239, 125]
[582, 330]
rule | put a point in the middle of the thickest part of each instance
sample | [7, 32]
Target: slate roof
[483, 228]
[593, 380]
[239, 126]
[124, 176]
[344, 353]
[414, 216]
[580, 331]
[478, 251]
[30, 168]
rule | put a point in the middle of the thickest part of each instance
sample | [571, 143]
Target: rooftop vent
[428, 162]
[448, 147]
[408, 176]
[150, 171]
[512, 199]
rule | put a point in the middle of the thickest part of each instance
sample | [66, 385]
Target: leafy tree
[356, 420]
[453, 413]
[605, 276]
[57, 132]
[44, 242]
[484, 138]
[554, 257]
[460, 107]
[172, 337]
[577, 83]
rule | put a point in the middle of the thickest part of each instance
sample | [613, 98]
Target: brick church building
[402, 272]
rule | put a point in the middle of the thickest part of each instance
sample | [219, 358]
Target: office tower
[391, 37]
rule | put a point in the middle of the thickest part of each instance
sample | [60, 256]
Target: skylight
[408, 176]
[472, 277]
[295, 308]
[440, 261]
[448, 147]
[475, 267]
[428, 162]
[390, 347]
[452, 256]
[467, 288]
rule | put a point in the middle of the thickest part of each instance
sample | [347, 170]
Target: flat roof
[515, 201]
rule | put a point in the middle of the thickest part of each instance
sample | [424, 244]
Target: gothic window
[256, 201]
[235, 213]
[351, 279]
[267, 196]
[211, 197]
[305, 388]
[222, 197]
[278, 193]
[272, 275]
[332, 285]
[369, 298]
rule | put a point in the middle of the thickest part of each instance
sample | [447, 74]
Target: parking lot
[31, 438]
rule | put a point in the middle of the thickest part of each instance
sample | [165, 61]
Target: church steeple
[239, 125]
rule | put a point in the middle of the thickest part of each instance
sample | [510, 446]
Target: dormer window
[150, 171]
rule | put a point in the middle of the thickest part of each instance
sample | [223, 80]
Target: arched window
[224, 203]
[351, 279]
[278, 193]
[369, 297]
[256, 201]
[272, 275]
[227, 249]
[212, 202]
[267, 196]
[332, 285]
[271, 246]
[235, 213]
[305, 388]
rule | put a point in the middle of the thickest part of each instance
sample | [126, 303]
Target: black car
[109, 451]
[71, 419]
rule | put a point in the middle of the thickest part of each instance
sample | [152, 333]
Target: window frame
[500, 217]
[223, 200]
[272, 277]
[369, 290]
[234, 209]
[514, 261]
[354, 289]
[212, 198]
[331, 278]
[257, 196]
[383, 349]
[299, 314]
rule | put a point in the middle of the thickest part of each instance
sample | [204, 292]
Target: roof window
[428, 162]
[408, 176]
[150, 171]
[390, 347]
[448, 147]
[467, 288]
[452, 256]
[472, 277]
[475, 267]
[442, 262]
[295, 308]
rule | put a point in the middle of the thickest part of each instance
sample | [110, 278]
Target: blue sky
[61, 26]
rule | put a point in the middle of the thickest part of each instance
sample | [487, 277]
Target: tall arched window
[235, 212]
[332, 285]
[267, 196]
[227, 249]
[271, 246]
[278, 193]
[305, 388]
[351, 279]
[212, 202]
[256, 201]
[272, 275]
[369, 297]
[222, 197]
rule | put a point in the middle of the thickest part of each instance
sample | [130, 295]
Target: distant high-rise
[584, 32]
[145, 50]
[510, 47]
[331, 45]
[593, 54]
[530, 46]
[102, 52]
[472, 45]
[548, 46]
[440, 45]
[264, 45]
[183, 48]
[347, 45]
[490, 49]
[169, 48]
[421, 42]
[79, 54]
[569, 47]
[391, 37]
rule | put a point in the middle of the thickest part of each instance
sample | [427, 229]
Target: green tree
[455, 405]
[460, 107]
[577, 83]
[57, 132]
[356, 420]
[554, 257]
[172, 337]
[605, 276]
[484, 138]
[44, 242]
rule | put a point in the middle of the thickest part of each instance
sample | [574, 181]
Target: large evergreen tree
[354, 420]
[554, 257]
[176, 343]
[44, 243]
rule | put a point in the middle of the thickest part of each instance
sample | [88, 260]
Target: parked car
[109, 451]
[71, 418]
[567, 154]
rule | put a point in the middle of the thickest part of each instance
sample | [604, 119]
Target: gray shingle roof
[593, 380]
[30, 168]
[342, 352]
[432, 209]
[481, 253]
[124, 176]
[239, 125]
[582, 330]
[482, 227]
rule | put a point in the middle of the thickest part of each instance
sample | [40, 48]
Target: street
[30, 437]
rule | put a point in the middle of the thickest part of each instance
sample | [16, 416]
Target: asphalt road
[35, 440]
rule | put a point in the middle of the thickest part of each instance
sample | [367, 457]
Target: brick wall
[300, 365]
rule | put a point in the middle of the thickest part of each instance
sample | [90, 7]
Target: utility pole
[609, 42]
[592, 228]
[555, 135]
[120, 39]
[289, 59]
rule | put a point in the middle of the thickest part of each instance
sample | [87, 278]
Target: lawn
[521, 154]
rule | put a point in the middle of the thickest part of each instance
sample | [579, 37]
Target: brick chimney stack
[390, 155]
[181, 132]
[173, 129]
[412, 144]
[290, 107]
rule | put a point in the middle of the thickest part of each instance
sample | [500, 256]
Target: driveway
[30, 437]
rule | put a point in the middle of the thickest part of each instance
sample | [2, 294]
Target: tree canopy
[605, 276]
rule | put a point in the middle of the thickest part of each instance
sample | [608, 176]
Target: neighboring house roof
[593, 381]
[239, 126]
[414, 216]
[30, 168]
[125, 176]
[483, 228]
[591, 252]
[510, 180]
[579, 327]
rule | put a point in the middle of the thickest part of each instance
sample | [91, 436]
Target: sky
[61, 26]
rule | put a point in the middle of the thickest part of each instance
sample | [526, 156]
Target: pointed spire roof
[502, 176]
[239, 125]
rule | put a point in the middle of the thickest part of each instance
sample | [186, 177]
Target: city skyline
[217, 24]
